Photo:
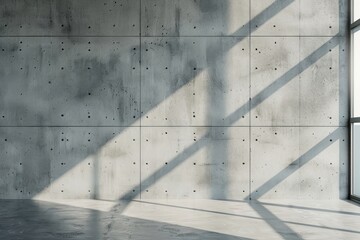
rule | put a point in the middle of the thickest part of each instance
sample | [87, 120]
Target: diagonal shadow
[301, 161]
[274, 222]
[247, 216]
[309, 208]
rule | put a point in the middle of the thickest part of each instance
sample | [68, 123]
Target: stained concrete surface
[178, 219]
[59, 81]
[69, 18]
[195, 18]
[327, 106]
[331, 17]
[271, 58]
[76, 163]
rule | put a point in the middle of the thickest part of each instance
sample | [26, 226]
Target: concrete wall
[222, 99]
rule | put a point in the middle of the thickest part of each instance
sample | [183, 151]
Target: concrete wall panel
[323, 82]
[274, 165]
[195, 18]
[207, 78]
[100, 163]
[304, 163]
[70, 18]
[323, 17]
[324, 164]
[274, 81]
[69, 81]
[86, 162]
[24, 162]
[195, 162]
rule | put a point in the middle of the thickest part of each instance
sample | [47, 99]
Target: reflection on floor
[178, 219]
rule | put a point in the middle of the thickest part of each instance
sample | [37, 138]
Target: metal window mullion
[355, 120]
[355, 24]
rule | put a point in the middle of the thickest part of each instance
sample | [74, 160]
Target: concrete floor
[178, 219]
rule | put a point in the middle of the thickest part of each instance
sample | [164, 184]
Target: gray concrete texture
[219, 99]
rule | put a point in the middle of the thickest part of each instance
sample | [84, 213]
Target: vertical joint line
[250, 33]
[140, 76]
[299, 87]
